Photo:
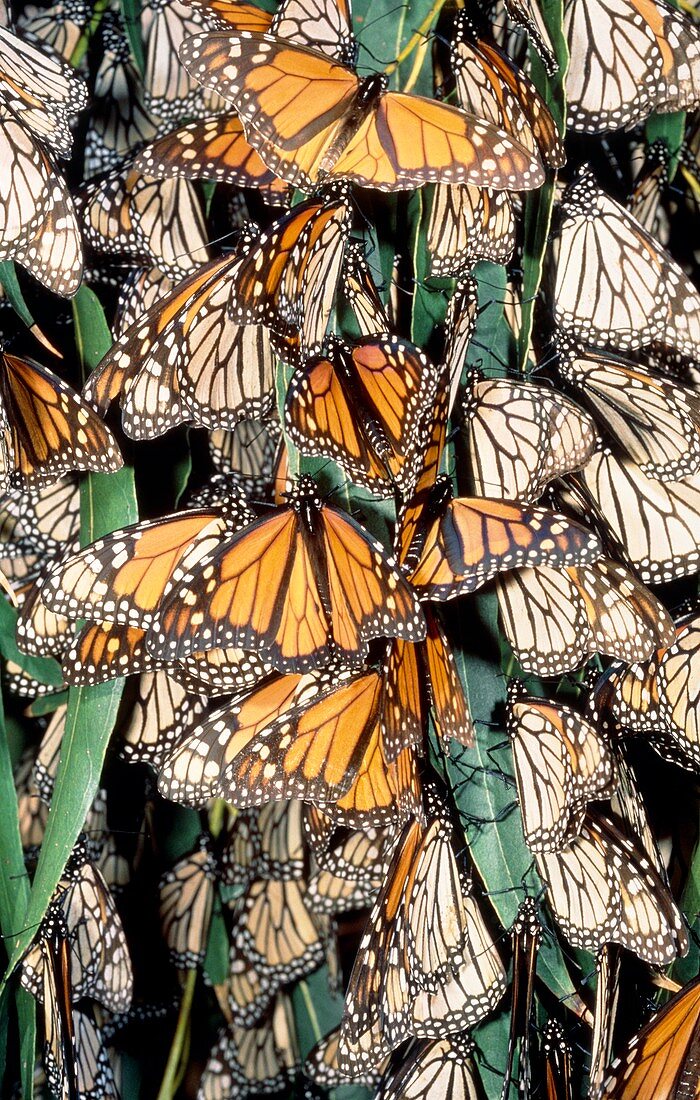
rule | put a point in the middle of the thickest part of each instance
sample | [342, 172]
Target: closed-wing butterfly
[470, 223]
[46, 429]
[556, 619]
[186, 900]
[561, 763]
[258, 1059]
[419, 971]
[628, 59]
[654, 420]
[119, 121]
[158, 222]
[38, 226]
[443, 1067]
[40, 90]
[614, 284]
[603, 889]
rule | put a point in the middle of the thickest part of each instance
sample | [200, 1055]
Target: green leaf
[670, 129]
[93, 337]
[14, 894]
[131, 14]
[317, 1009]
[42, 669]
[10, 284]
[216, 960]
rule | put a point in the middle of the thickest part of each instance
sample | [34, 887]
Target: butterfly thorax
[368, 94]
[305, 499]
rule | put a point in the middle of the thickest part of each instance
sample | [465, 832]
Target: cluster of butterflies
[295, 674]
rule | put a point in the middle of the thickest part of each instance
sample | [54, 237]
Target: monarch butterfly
[102, 651]
[468, 224]
[249, 990]
[521, 436]
[266, 842]
[276, 930]
[159, 221]
[47, 428]
[186, 901]
[660, 1057]
[492, 87]
[602, 889]
[352, 872]
[122, 578]
[250, 452]
[46, 760]
[474, 538]
[214, 149]
[557, 1062]
[556, 619]
[40, 90]
[526, 933]
[97, 958]
[334, 895]
[528, 15]
[561, 763]
[456, 545]
[361, 293]
[361, 132]
[614, 284]
[426, 965]
[444, 1066]
[38, 227]
[321, 1066]
[288, 275]
[141, 289]
[40, 633]
[59, 26]
[182, 361]
[364, 405]
[308, 737]
[259, 1060]
[43, 520]
[51, 985]
[118, 122]
[305, 549]
[32, 811]
[648, 63]
[221, 671]
[646, 202]
[656, 422]
[660, 699]
[227, 14]
[169, 91]
[661, 543]
[162, 715]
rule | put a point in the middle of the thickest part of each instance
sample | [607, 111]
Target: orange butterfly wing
[215, 149]
[477, 537]
[123, 577]
[52, 430]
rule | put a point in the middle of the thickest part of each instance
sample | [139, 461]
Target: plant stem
[168, 1085]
